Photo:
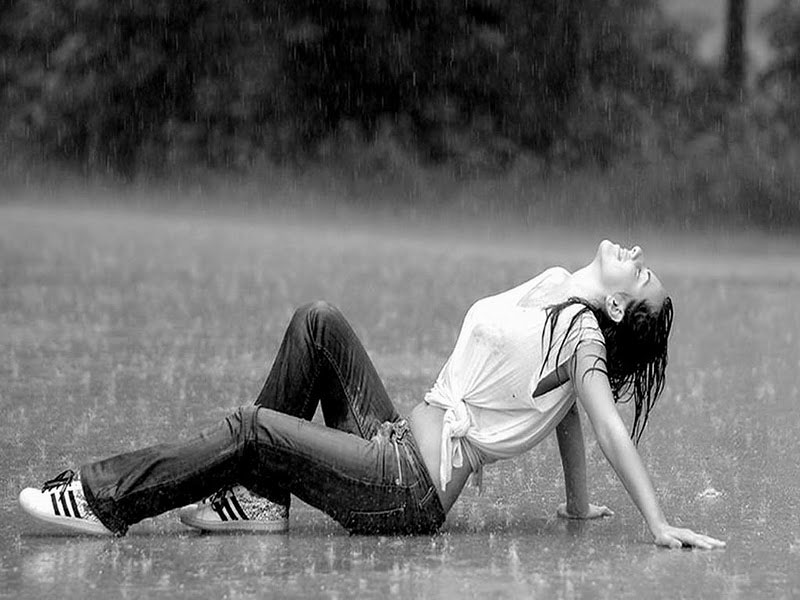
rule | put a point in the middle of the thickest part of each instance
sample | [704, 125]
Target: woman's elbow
[610, 436]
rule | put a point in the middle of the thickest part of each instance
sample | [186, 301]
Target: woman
[522, 358]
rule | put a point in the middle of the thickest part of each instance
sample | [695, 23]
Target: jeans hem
[116, 525]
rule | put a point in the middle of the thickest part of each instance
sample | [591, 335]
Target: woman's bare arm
[573, 459]
[597, 399]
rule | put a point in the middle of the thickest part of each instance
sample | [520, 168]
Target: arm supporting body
[573, 459]
[596, 397]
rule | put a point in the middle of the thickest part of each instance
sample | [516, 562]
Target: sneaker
[61, 502]
[236, 509]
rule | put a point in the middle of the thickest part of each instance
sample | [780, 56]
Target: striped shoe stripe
[233, 516]
[55, 504]
[64, 505]
[238, 507]
[217, 506]
[75, 511]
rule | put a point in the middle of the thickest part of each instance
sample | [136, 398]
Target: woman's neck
[583, 283]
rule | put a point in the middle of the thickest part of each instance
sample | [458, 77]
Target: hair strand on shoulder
[636, 351]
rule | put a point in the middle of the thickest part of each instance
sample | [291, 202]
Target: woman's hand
[678, 537]
[593, 512]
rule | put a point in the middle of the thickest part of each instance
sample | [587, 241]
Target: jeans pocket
[427, 498]
[376, 521]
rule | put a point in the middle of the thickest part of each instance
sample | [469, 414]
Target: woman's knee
[242, 423]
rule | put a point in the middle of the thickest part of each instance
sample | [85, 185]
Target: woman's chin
[603, 250]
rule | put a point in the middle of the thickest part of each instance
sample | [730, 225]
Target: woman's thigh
[374, 485]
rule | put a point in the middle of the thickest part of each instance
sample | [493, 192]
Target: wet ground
[119, 330]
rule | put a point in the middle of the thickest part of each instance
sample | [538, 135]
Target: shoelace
[61, 480]
[218, 496]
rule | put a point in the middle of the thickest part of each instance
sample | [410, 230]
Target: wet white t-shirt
[486, 386]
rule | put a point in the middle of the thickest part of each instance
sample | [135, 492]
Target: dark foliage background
[151, 87]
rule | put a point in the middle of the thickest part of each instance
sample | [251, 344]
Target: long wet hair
[636, 351]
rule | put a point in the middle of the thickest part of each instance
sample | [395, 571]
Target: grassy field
[121, 328]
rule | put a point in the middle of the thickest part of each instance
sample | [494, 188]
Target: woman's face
[623, 270]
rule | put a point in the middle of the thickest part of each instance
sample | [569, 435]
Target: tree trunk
[734, 48]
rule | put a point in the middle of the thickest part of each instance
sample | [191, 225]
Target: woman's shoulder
[539, 290]
[580, 324]
[553, 273]
[550, 278]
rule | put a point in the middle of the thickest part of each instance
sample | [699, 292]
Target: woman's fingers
[700, 543]
[606, 512]
[705, 541]
[598, 512]
[593, 512]
[713, 542]
[678, 538]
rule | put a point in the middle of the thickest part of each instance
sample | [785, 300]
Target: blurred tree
[782, 79]
[151, 84]
[118, 86]
[735, 47]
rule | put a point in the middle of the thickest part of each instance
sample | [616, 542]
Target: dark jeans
[363, 468]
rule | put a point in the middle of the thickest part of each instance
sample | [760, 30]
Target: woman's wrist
[657, 526]
[590, 512]
[578, 510]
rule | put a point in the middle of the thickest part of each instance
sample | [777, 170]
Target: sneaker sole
[73, 524]
[187, 518]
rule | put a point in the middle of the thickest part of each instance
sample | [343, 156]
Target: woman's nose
[637, 253]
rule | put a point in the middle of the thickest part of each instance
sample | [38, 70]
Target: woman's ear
[615, 306]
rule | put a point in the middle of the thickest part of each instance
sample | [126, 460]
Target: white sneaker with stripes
[60, 502]
[236, 509]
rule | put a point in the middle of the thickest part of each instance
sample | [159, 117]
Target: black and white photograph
[399, 299]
